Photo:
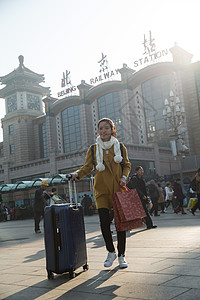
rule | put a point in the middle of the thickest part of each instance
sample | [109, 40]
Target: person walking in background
[154, 195]
[12, 213]
[86, 203]
[137, 182]
[197, 188]
[55, 198]
[192, 194]
[169, 195]
[41, 197]
[161, 199]
[109, 176]
[17, 212]
[178, 197]
[1, 209]
[5, 213]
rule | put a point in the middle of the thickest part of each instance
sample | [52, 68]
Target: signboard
[66, 83]
[105, 72]
[105, 75]
[150, 54]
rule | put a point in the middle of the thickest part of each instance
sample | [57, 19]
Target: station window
[11, 129]
[12, 149]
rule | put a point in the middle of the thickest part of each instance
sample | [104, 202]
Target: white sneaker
[122, 262]
[109, 260]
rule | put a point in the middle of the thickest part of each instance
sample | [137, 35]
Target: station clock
[33, 102]
[12, 103]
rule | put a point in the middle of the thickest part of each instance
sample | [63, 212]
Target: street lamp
[174, 113]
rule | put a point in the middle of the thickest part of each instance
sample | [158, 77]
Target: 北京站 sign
[150, 54]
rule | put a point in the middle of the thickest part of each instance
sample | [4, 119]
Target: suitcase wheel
[50, 275]
[85, 267]
[71, 274]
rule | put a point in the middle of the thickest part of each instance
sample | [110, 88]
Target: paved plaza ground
[164, 263]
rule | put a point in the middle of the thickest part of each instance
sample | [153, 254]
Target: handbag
[128, 209]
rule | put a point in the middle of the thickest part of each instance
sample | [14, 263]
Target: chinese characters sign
[66, 79]
[149, 45]
[104, 71]
[150, 54]
[66, 83]
[103, 63]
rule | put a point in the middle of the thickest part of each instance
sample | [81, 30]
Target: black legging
[104, 217]
[147, 219]
[37, 217]
[154, 207]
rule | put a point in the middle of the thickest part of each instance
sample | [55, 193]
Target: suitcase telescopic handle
[70, 191]
[75, 193]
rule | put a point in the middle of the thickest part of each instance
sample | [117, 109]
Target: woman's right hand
[73, 176]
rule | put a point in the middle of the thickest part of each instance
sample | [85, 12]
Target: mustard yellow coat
[106, 182]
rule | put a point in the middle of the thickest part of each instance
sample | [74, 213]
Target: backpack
[121, 163]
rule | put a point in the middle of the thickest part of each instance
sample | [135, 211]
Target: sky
[58, 35]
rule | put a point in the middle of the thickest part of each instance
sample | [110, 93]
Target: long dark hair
[112, 125]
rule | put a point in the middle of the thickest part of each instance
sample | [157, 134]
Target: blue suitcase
[65, 242]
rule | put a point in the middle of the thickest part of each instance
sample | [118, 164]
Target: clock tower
[23, 102]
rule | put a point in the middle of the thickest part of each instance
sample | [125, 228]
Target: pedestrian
[55, 198]
[137, 182]
[192, 193]
[1, 209]
[197, 187]
[109, 176]
[12, 213]
[154, 195]
[169, 195]
[17, 212]
[161, 199]
[86, 203]
[41, 197]
[5, 213]
[178, 197]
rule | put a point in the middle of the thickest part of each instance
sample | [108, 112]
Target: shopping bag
[128, 210]
[191, 203]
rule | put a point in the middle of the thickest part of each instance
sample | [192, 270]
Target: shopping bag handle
[123, 188]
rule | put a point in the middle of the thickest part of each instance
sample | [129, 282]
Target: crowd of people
[15, 213]
[172, 194]
[110, 160]
[159, 197]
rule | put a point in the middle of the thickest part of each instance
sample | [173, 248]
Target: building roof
[23, 79]
[22, 71]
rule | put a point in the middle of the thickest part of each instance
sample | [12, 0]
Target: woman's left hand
[122, 181]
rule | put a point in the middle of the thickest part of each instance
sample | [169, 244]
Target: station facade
[44, 136]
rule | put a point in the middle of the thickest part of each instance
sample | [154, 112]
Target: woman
[169, 195]
[161, 200]
[109, 176]
[178, 196]
[154, 195]
[197, 185]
